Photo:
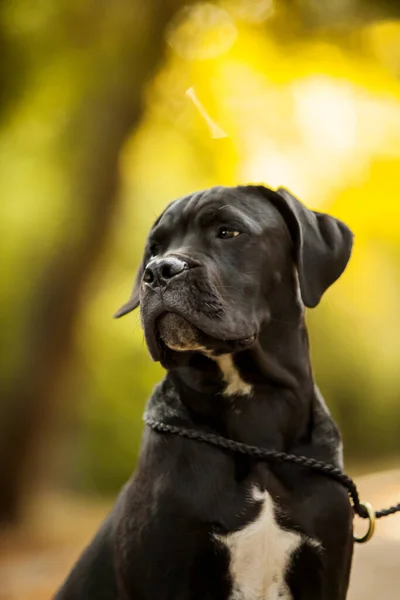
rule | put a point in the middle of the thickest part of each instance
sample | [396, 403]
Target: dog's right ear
[133, 301]
[322, 243]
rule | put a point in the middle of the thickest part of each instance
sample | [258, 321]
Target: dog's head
[215, 259]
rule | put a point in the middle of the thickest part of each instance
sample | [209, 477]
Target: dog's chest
[260, 555]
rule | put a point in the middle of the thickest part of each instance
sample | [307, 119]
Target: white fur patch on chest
[260, 554]
[234, 383]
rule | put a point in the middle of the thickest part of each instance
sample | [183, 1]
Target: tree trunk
[105, 117]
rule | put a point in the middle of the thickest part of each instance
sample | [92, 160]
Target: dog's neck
[277, 366]
[267, 363]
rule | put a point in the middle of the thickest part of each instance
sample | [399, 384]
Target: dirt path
[376, 571]
[376, 567]
[34, 561]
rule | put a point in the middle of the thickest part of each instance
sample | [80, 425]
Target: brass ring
[371, 526]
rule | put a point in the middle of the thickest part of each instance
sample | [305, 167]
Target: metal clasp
[371, 524]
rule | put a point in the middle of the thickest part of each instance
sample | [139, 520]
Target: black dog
[222, 288]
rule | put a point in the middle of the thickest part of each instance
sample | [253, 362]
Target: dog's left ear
[322, 244]
[133, 301]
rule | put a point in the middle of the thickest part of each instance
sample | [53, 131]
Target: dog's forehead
[240, 201]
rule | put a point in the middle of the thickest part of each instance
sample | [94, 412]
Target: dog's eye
[224, 233]
[153, 249]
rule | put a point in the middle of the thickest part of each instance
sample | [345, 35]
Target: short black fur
[240, 298]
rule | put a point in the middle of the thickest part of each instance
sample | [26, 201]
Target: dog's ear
[322, 245]
[133, 301]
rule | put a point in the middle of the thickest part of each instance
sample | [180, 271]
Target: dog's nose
[161, 270]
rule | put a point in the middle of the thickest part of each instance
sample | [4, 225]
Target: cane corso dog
[222, 288]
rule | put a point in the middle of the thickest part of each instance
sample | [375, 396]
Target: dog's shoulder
[325, 433]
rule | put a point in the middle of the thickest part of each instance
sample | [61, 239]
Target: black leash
[363, 510]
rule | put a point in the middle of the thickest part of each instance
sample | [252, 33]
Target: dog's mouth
[175, 332]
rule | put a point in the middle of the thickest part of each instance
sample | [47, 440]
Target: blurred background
[101, 125]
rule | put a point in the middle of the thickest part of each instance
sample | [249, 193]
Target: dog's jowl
[222, 287]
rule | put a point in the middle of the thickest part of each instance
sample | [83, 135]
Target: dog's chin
[178, 334]
[172, 332]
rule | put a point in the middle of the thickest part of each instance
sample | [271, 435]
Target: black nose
[161, 270]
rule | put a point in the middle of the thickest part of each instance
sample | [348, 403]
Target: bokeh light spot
[201, 32]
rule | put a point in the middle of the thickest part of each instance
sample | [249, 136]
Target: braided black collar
[273, 455]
